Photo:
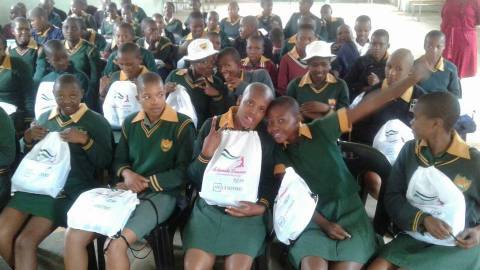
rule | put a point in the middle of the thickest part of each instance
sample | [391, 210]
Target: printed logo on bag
[46, 97]
[121, 97]
[166, 144]
[462, 182]
[219, 187]
[233, 164]
[413, 102]
[45, 156]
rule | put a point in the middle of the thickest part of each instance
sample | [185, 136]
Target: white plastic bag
[434, 193]
[180, 101]
[294, 207]
[45, 100]
[357, 100]
[233, 173]
[44, 170]
[391, 137]
[102, 210]
[121, 101]
[8, 108]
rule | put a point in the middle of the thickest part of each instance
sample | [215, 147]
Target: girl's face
[303, 39]
[318, 68]
[160, 23]
[254, 50]
[68, 97]
[71, 31]
[123, 36]
[151, 33]
[212, 22]
[152, 100]
[422, 126]
[58, 60]
[232, 10]
[129, 63]
[252, 109]
[282, 124]
[167, 10]
[228, 67]
[204, 67]
[22, 33]
[127, 15]
[344, 34]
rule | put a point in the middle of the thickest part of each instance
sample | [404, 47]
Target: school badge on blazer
[462, 182]
[166, 144]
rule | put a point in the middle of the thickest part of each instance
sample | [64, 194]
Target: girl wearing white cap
[318, 91]
[207, 92]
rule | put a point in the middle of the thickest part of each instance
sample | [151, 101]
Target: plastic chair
[160, 238]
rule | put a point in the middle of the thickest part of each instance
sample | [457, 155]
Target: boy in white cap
[207, 92]
[318, 91]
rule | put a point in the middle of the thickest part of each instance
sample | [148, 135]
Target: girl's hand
[213, 139]
[103, 88]
[74, 135]
[436, 227]
[211, 92]
[469, 238]
[134, 181]
[170, 87]
[335, 231]
[246, 209]
[34, 133]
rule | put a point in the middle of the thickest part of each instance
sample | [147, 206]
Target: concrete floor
[405, 31]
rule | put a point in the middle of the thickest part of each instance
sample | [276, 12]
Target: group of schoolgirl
[160, 149]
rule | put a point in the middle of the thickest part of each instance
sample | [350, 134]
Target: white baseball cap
[319, 48]
[199, 49]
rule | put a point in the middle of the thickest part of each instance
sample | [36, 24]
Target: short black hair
[250, 19]
[363, 19]
[255, 86]
[213, 12]
[381, 33]
[75, 20]
[434, 34]
[128, 7]
[326, 6]
[286, 101]
[112, 5]
[230, 51]
[234, 3]
[154, 15]
[213, 34]
[256, 38]
[67, 79]
[277, 34]
[148, 78]
[126, 26]
[129, 47]
[53, 46]
[146, 22]
[19, 20]
[441, 105]
[37, 12]
[171, 5]
[195, 15]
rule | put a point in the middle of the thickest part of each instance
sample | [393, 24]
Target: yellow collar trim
[440, 66]
[32, 44]
[168, 114]
[307, 80]
[233, 23]
[190, 36]
[294, 54]
[304, 130]
[44, 33]
[7, 63]
[75, 48]
[217, 30]
[406, 96]
[82, 109]
[293, 39]
[124, 77]
[458, 147]
[226, 119]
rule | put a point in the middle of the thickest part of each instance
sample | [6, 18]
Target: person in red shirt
[291, 66]
[256, 60]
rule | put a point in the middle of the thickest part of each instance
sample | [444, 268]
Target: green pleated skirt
[406, 252]
[349, 213]
[213, 231]
[54, 209]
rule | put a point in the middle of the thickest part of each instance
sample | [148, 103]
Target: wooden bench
[419, 4]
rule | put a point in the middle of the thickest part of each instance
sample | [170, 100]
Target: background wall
[150, 6]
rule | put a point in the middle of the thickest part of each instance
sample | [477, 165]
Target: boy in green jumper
[235, 232]
[152, 156]
[437, 145]
[30, 218]
[57, 57]
[445, 74]
[318, 91]
[82, 54]
[26, 47]
[161, 47]
[340, 234]
[130, 61]
[123, 34]
[16, 87]
[208, 93]
[7, 156]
